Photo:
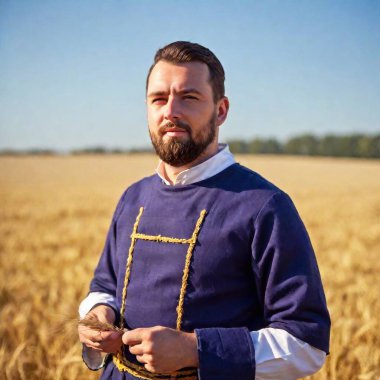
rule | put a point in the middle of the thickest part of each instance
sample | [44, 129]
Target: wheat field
[54, 215]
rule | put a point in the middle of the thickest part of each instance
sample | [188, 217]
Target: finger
[132, 337]
[136, 349]
[153, 369]
[156, 369]
[94, 340]
[91, 334]
[144, 359]
[140, 358]
[95, 348]
[94, 345]
[111, 335]
[89, 338]
[96, 337]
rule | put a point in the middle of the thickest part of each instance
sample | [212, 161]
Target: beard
[176, 152]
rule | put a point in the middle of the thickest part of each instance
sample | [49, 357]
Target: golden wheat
[54, 215]
[95, 324]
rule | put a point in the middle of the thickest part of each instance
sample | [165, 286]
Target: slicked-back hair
[184, 52]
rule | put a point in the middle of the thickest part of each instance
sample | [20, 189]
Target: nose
[172, 109]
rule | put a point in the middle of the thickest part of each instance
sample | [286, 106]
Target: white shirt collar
[214, 165]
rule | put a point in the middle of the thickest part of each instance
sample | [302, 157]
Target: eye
[158, 100]
[190, 97]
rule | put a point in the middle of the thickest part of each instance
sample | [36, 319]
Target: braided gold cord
[161, 239]
[128, 267]
[185, 276]
[123, 365]
[119, 360]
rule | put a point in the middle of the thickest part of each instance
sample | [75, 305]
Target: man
[207, 265]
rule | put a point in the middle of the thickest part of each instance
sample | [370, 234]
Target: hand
[104, 341]
[161, 349]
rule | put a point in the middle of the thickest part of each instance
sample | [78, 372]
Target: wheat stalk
[95, 324]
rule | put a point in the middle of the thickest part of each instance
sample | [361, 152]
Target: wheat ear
[95, 324]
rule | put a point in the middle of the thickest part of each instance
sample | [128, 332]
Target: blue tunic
[252, 266]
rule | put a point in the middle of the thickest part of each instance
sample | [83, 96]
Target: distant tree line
[79, 151]
[27, 152]
[355, 145]
[102, 150]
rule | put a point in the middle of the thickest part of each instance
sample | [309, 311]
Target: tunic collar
[214, 165]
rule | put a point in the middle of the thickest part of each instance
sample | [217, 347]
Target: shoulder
[136, 192]
[251, 178]
[245, 182]
[243, 191]
[143, 184]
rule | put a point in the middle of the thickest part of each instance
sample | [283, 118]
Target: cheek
[153, 117]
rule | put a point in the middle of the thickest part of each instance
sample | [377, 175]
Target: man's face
[182, 116]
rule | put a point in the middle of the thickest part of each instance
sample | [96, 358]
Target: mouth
[173, 130]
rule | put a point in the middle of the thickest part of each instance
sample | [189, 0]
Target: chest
[181, 261]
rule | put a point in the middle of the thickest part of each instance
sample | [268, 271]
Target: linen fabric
[252, 267]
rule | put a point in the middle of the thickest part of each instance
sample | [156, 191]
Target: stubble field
[54, 215]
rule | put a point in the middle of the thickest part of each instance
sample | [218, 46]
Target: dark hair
[183, 52]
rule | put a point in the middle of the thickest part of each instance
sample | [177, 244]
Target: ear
[222, 107]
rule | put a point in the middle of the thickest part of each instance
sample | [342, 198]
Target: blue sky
[72, 73]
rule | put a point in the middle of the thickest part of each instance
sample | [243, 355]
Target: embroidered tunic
[251, 266]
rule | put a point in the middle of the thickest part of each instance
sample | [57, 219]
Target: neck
[171, 172]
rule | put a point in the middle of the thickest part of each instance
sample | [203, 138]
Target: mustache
[178, 124]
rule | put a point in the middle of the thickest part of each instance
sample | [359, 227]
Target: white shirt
[278, 354]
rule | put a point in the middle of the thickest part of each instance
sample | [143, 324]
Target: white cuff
[279, 355]
[93, 359]
[94, 298]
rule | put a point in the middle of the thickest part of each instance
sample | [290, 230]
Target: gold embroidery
[119, 360]
[128, 269]
[123, 365]
[161, 239]
[187, 268]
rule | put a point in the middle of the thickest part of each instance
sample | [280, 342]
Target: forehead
[166, 76]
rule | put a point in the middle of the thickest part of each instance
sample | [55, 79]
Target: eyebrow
[156, 93]
[190, 90]
[185, 91]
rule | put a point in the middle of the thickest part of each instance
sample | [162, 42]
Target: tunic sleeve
[225, 353]
[287, 275]
[291, 293]
[105, 276]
